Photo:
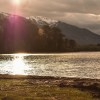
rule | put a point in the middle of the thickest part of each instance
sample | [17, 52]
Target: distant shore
[90, 85]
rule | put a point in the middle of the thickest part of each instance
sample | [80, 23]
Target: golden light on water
[19, 65]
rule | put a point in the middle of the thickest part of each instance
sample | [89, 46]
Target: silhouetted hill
[16, 33]
[20, 34]
[81, 36]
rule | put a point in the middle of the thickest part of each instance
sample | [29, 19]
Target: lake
[80, 65]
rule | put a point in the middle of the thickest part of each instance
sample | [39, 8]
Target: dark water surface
[83, 65]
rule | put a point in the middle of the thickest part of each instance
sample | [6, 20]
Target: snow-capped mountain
[80, 35]
[43, 20]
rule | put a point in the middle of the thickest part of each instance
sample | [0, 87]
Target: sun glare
[19, 65]
[16, 2]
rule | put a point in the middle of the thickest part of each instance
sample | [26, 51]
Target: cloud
[89, 21]
[83, 13]
[62, 6]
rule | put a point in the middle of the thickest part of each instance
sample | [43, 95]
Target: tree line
[18, 34]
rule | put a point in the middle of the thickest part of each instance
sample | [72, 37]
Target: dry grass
[16, 89]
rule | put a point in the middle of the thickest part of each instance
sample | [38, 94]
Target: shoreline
[48, 53]
[83, 84]
[9, 76]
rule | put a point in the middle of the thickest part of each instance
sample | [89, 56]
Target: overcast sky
[82, 13]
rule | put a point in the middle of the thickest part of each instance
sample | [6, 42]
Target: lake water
[83, 65]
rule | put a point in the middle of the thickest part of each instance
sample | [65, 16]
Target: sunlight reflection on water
[18, 65]
[83, 65]
[13, 64]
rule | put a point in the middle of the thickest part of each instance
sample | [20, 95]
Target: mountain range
[18, 33]
[81, 35]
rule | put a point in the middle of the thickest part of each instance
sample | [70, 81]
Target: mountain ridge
[82, 36]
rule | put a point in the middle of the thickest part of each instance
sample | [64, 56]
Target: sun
[16, 2]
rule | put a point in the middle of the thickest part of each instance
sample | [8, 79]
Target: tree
[72, 44]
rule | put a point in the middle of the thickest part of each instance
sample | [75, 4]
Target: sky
[82, 13]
